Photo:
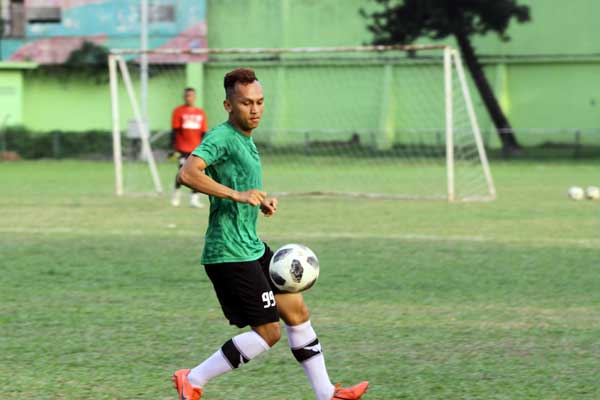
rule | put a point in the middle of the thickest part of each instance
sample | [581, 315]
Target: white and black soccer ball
[576, 193]
[294, 268]
[592, 192]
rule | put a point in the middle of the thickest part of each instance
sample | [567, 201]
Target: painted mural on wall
[54, 28]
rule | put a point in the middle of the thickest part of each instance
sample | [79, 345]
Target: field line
[173, 231]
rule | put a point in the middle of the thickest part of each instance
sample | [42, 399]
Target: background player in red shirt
[189, 125]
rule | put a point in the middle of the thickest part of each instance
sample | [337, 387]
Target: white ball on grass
[592, 192]
[576, 193]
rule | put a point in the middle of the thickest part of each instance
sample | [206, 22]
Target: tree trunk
[503, 128]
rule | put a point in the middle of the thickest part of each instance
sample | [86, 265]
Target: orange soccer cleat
[351, 393]
[184, 388]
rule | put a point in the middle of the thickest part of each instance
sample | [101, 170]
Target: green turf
[101, 299]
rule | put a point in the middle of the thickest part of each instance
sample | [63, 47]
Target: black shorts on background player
[182, 158]
[180, 161]
[245, 291]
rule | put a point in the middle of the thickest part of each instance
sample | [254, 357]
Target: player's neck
[238, 128]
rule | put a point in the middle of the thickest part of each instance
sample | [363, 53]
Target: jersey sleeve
[175, 119]
[214, 148]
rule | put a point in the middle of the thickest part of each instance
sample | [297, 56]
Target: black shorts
[182, 158]
[245, 291]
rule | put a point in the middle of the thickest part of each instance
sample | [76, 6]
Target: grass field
[101, 299]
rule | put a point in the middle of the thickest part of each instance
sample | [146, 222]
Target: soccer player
[237, 261]
[189, 125]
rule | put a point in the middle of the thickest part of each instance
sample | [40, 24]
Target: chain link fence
[21, 143]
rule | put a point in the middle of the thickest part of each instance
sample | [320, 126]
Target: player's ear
[227, 105]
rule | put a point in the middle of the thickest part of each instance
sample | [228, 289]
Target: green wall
[56, 100]
[381, 101]
[285, 23]
[545, 77]
[11, 92]
[557, 27]
[11, 99]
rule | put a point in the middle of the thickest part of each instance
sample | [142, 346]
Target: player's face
[189, 97]
[246, 105]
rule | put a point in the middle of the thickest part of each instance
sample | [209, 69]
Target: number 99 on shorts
[268, 299]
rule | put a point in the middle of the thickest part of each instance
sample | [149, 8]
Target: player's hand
[268, 206]
[253, 197]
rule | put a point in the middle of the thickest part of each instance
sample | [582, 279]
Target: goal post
[449, 123]
[374, 121]
[117, 64]
[116, 129]
[474, 124]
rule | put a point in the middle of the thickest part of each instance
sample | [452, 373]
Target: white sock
[176, 198]
[212, 367]
[234, 353]
[307, 350]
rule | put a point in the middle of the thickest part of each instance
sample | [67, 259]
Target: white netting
[345, 122]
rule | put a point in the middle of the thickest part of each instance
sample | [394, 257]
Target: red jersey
[189, 124]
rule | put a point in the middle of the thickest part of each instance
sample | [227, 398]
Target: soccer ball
[576, 193]
[593, 192]
[294, 268]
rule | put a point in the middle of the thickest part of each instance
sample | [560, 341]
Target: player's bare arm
[192, 175]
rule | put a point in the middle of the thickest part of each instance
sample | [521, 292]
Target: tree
[89, 55]
[403, 23]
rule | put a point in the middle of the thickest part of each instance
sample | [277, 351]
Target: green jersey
[233, 160]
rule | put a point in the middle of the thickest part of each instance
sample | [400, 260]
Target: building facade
[47, 31]
[545, 76]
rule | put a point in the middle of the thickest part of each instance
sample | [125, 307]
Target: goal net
[375, 121]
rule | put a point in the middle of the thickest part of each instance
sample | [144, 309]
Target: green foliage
[103, 297]
[405, 21]
[58, 144]
[88, 55]
[89, 62]
[92, 144]
[97, 144]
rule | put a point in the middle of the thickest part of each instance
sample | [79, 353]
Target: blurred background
[543, 77]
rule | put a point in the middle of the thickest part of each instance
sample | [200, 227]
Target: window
[161, 13]
[43, 14]
[14, 25]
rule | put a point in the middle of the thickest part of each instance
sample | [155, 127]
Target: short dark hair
[189, 89]
[242, 76]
